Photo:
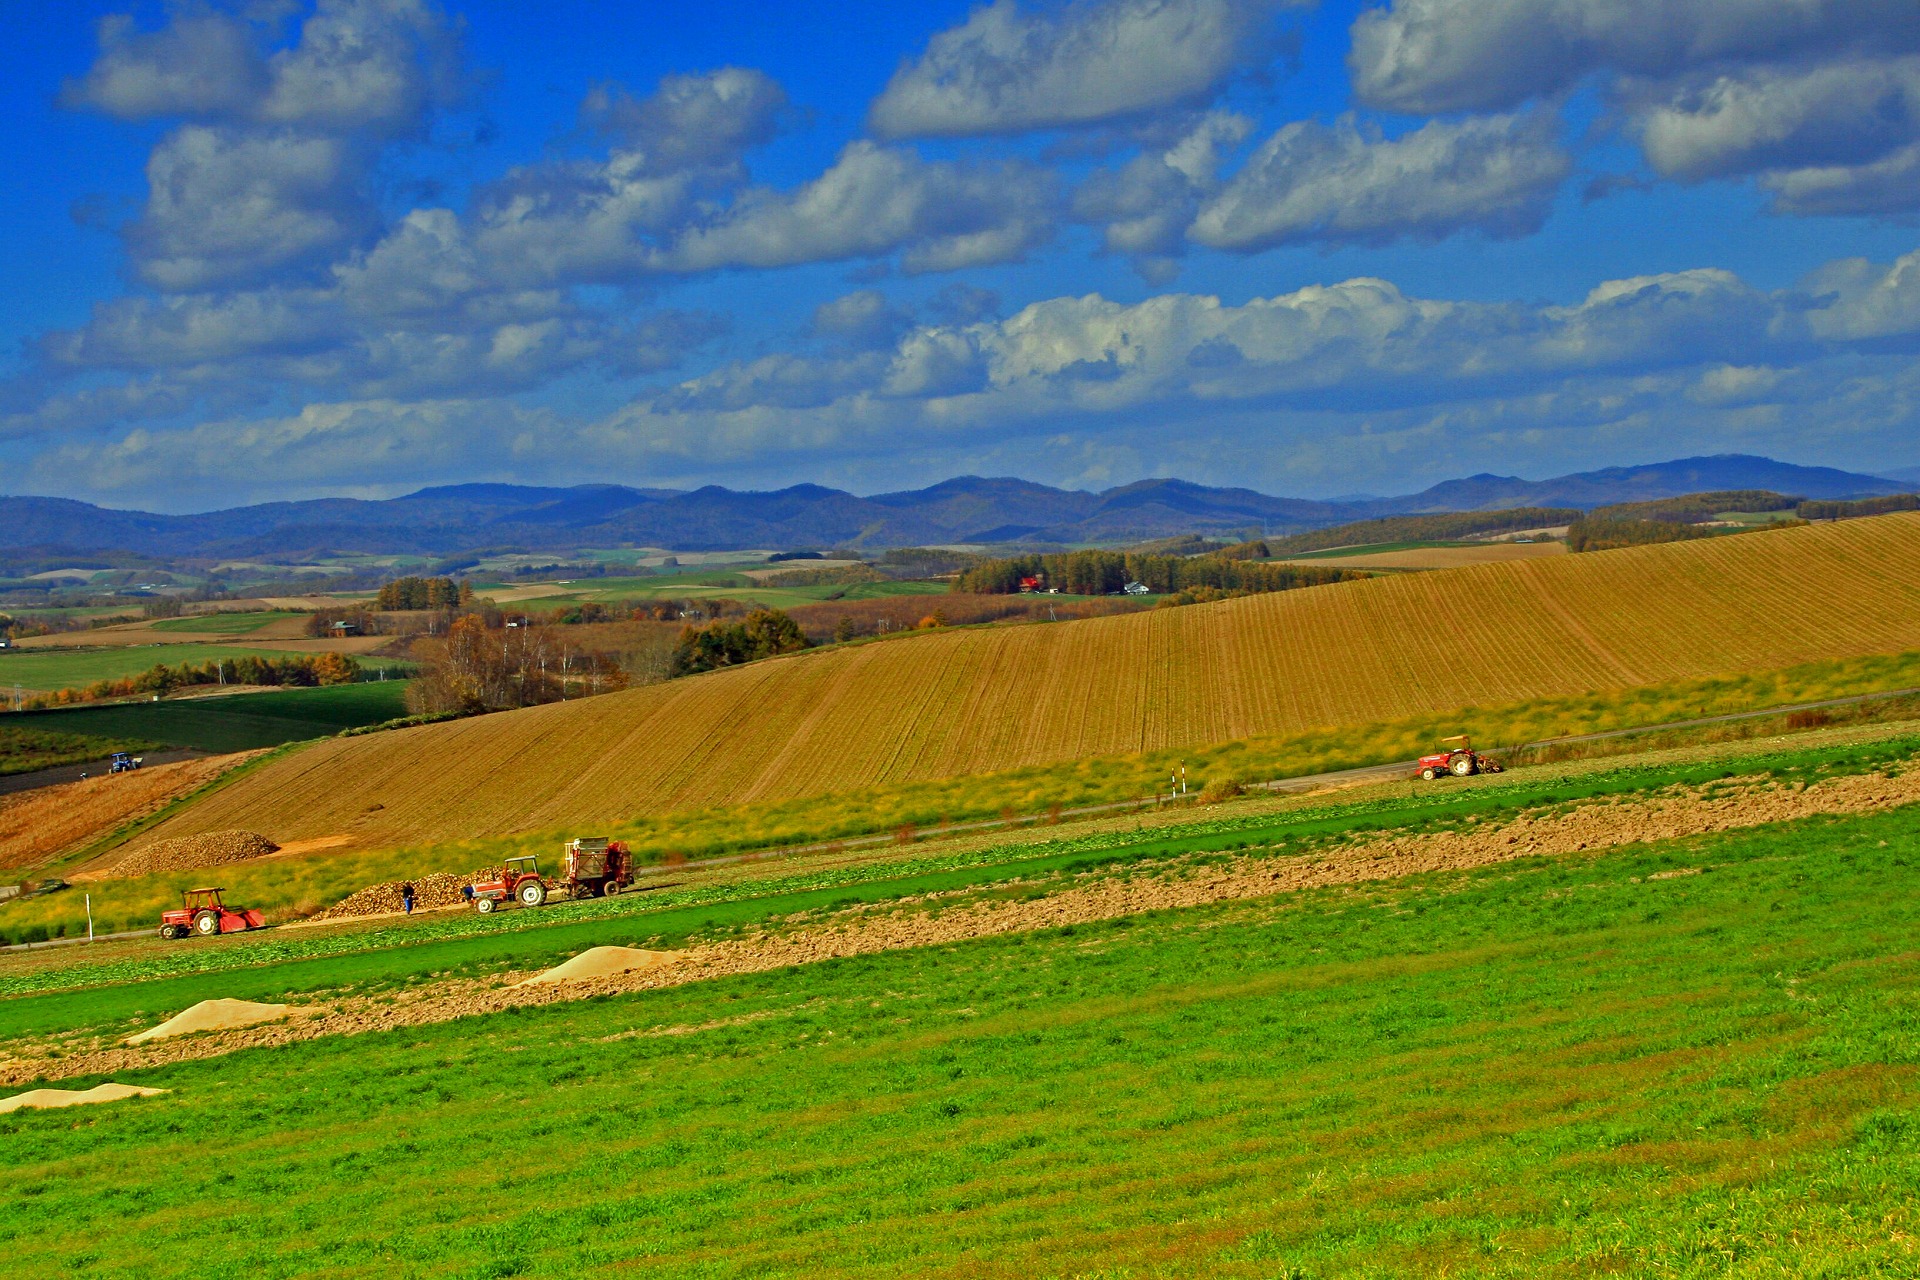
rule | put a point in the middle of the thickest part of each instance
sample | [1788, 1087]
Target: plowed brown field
[957, 702]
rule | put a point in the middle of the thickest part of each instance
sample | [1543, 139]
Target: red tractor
[202, 912]
[594, 867]
[518, 881]
[1462, 761]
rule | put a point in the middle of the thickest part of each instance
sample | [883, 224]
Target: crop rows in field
[972, 701]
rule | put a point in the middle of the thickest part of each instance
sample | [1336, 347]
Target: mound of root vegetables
[188, 853]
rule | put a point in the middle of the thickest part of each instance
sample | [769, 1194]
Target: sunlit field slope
[966, 701]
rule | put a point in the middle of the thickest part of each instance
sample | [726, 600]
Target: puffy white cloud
[873, 201]
[1346, 182]
[199, 64]
[1329, 387]
[1764, 118]
[358, 65]
[692, 121]
[863, 318]
[366, 65]
[200, 329]
[1147, 204]
[1855, 300]
[226, 206]
[1818, 99]
[364, 446]
[1008, 70]
[1476, 55]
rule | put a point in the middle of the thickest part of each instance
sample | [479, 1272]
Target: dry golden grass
[955, 702]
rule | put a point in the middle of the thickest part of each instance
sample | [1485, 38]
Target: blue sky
[283, 249]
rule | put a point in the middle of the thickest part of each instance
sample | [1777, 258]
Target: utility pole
[89, 917]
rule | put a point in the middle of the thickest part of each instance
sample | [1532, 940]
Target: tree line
[475, 668]
[764, 633]
[1099, 573]
[424, 593]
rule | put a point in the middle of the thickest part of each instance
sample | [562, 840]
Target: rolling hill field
[958, 702]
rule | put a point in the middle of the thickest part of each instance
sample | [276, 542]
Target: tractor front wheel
[1427, 774]
[207, 923]
[166, 931]
[532, 893]
[484, 906]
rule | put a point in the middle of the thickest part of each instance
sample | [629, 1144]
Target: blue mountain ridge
[964, 510]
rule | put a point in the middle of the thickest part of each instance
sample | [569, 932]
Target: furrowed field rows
[949, 703]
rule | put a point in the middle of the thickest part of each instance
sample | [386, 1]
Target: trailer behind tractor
[591, 867]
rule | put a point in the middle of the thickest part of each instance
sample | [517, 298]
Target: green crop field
[239, 722]
[68, 668]
[225, 624]
[1689, 1058]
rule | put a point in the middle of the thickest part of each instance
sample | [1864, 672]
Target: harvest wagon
[202, 912]
[592, 867]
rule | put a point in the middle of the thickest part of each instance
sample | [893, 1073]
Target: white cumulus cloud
[1007, 69]
[1346, 182]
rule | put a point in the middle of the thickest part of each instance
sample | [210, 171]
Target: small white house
[1135, 588]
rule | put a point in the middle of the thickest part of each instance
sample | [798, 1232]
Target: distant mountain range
[468, 517]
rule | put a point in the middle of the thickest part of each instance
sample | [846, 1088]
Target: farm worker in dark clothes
[406, 897]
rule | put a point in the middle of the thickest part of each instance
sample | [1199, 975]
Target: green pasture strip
[25, 750]
[70, 668]
[1558, 1067]
[282, 963]
[224, 624]
[236, 722]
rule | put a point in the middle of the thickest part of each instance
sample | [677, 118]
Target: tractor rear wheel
[1462, 766]
[484, 906]
[532, 893]
[1428, 774]
[207, 923]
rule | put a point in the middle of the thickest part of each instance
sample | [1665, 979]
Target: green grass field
[239, 722]
[224, 624]
[1554, 1067]
[48, 669]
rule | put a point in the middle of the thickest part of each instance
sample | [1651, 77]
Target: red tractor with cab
[518, 880]
[1462, 761]
[202, 912]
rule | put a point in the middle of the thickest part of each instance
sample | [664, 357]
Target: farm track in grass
[1171, 678]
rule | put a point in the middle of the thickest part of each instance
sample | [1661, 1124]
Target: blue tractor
[122, 762]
